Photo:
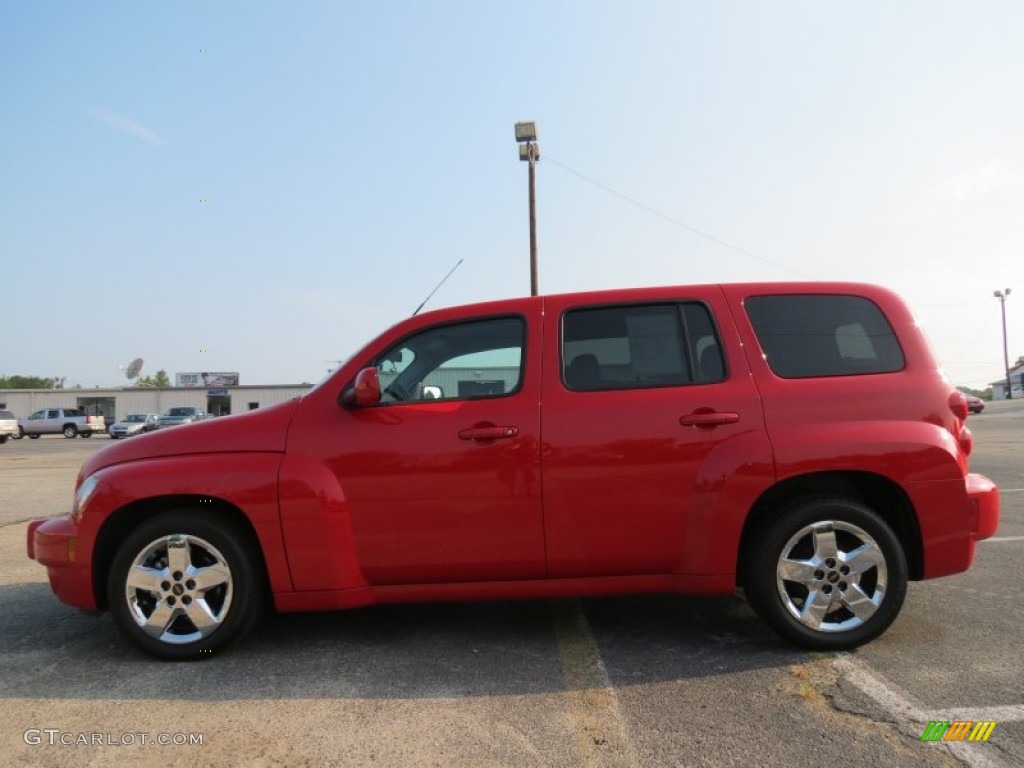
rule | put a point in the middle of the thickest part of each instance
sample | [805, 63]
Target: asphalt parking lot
[647, 681]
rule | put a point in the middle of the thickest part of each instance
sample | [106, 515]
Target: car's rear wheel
[34, 436]
[183, 586]
[85, 434]
[70, 431]
[827, 574]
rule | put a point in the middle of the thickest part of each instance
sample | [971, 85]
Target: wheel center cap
[833, 577]
[178, 590]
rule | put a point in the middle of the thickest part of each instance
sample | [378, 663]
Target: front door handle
[707, 419]
[488, 433]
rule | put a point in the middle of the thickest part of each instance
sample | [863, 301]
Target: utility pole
[1001, 295]
[529, 151]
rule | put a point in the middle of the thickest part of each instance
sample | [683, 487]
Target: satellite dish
[134, 368]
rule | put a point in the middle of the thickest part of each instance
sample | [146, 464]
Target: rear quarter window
[805, 336]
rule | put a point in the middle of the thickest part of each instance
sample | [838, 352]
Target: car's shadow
[412, 651]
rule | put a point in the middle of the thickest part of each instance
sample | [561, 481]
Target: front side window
[804, 336]
[462, 361]
[639, 346]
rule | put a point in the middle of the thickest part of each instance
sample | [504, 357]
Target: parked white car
[8, 426]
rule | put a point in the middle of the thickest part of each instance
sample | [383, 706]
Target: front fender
[317, 527]
[246, 481]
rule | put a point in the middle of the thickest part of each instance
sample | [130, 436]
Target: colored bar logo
[958, 730]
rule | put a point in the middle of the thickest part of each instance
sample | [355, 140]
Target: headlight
[82, 497]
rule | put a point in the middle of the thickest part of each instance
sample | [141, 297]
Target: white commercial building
[117, 402]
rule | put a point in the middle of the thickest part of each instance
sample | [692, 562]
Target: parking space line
[598, 728]
[910, 717]
[1006, 538]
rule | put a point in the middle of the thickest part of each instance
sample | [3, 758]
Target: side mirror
[364, 392]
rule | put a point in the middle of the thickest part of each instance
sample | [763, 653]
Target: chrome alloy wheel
[179, 589]
[831, 576]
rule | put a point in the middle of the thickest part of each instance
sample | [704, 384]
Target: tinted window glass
[467, 360]
[805, 335]
[6, 415]
[631, 347]
[706, 352]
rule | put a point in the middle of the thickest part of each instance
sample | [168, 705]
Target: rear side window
[804, 336]
[6, 416]
[639, 346]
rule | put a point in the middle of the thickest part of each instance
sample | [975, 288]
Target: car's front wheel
[70, 430]
[827, 574]
[183, 586]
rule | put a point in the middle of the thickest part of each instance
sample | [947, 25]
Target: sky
[263, 187]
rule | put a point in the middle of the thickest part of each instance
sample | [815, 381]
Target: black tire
[70, 430]
[34, 436]
[814, 607]
[85, 434]
[3, 439]
[231, 607]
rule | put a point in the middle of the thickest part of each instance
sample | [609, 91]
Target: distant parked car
[8, 426]
[133, 424]
[182, 414]
[70, 422]
[974, 404]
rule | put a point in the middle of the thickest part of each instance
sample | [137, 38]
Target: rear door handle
[488, 433]
[707, 419]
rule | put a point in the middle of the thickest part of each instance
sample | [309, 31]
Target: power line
[674, 221]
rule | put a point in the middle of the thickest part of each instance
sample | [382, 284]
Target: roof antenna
[443, 280]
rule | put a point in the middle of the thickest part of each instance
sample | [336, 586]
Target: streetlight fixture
[1001, 295]
[529, 152]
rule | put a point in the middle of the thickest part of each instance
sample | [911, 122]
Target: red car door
[649, 412]
[442, 478]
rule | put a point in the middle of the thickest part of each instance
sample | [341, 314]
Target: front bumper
[56, 543]
[983, 496]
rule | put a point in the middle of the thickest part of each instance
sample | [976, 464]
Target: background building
[116, 402]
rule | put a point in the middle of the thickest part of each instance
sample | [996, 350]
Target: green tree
[25, 382]
[159, 379]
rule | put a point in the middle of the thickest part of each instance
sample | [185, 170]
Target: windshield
[179, 412]
[135, 417]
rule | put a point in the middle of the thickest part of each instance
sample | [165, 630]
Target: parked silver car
[182, 414]
[133, 424]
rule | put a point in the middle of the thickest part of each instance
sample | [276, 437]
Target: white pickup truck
[66, 421]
